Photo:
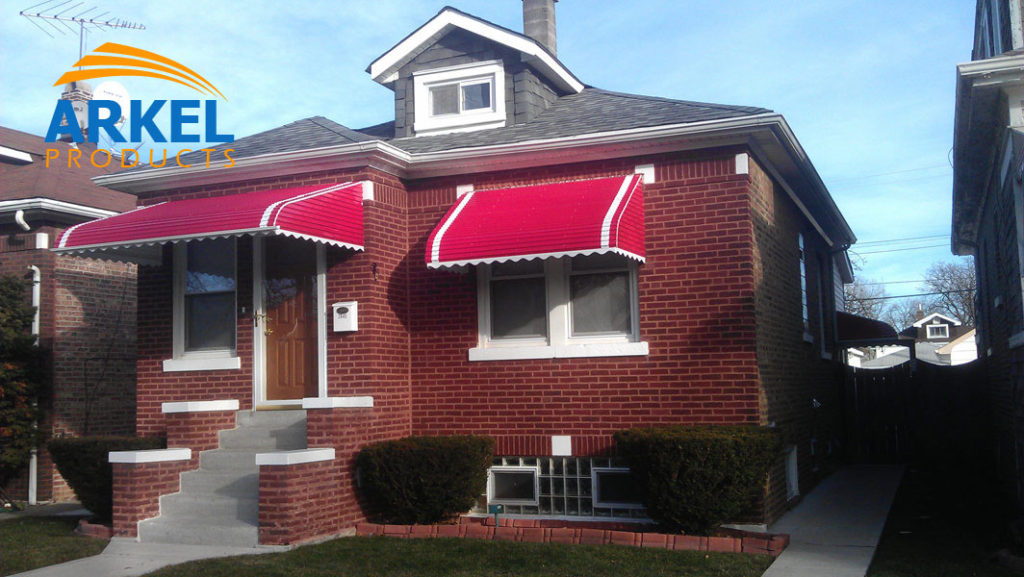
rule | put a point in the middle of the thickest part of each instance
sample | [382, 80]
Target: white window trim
[595, 491]
[560, 343]
[209, 360]
[945, 328]
[426, 123]
[514, 469]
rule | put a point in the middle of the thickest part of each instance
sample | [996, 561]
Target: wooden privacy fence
[914, 411]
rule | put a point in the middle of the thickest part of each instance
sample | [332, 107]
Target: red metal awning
[544, 221]
[324, 214]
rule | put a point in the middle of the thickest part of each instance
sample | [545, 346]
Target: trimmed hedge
[424, 479]
[83, 462]
[696, 478]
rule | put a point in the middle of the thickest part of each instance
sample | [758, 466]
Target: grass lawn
[33, 542]
[384, 556]
[942, 525]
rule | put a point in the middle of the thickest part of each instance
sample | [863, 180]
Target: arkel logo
[104, 116]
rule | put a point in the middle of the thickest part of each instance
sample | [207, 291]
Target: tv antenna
[62, 12]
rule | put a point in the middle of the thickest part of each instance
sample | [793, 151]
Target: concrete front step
[241, 461]
[265, 438]
[219, 502]
[198, 531]
[220, 483]
[216, 509]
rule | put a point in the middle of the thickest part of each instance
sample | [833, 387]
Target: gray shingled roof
[314, 132]
[591, 111]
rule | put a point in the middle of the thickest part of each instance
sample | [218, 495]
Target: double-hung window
[205, 296]
[567, 307]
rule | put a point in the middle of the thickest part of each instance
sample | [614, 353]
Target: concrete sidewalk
[129, 558]
[835, 530]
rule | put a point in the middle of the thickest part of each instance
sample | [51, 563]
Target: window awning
[544, 221]
[330, 215]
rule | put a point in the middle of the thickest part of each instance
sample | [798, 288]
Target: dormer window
[459, 98]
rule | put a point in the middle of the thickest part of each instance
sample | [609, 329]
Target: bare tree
[956, 286]
[865, 299]
[904, 312]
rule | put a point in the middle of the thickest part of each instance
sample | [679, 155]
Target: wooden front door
[290, 321]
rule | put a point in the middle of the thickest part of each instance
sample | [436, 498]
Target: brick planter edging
[750, 543]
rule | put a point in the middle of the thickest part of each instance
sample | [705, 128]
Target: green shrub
[695, 478]
[424, 479]
[83, 463]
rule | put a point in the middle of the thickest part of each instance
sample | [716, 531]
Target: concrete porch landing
[835, 530]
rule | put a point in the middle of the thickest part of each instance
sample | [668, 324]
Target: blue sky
[867, 86]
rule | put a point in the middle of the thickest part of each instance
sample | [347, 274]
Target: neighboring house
[516, 254]
[86, 307]
[988, 215]
[938, 340]
[936, 328]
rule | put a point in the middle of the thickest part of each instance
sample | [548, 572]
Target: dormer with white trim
[458, 73]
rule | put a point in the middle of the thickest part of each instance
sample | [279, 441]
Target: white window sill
[1016, 340]
[559, 351]
[202, 364]
[808, 337]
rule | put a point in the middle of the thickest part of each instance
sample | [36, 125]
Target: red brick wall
[696, 312]
[87, 321]
[199, 431]
[137, 491]
[300, 502]
[792, 371]
[372, 361]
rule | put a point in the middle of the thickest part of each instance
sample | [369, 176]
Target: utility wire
[867, 176]
[909, 296]
[899, 249]
[900, 240]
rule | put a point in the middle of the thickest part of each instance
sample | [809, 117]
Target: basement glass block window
[570, 486]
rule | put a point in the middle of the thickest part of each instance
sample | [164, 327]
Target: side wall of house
[87, 322]
[795, 364]
[696, 312]
[1000, 316]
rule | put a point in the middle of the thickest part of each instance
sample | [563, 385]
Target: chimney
[539, 23]
[79, 93]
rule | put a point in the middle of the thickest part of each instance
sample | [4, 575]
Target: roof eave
[975, 80]
[768, 133]
[385, 67]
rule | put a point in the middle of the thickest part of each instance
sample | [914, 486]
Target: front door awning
[544, 221]
[330, 215]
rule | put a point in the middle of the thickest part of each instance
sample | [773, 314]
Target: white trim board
[199, 406]
[297, 457]
[149, 456]
[384, 68]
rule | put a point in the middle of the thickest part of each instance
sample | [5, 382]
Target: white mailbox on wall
[346, 316]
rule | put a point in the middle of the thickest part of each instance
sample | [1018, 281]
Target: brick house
[77, 299]
[516, 254]
[988, 216]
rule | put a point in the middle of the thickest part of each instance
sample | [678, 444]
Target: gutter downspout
[33, 461]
